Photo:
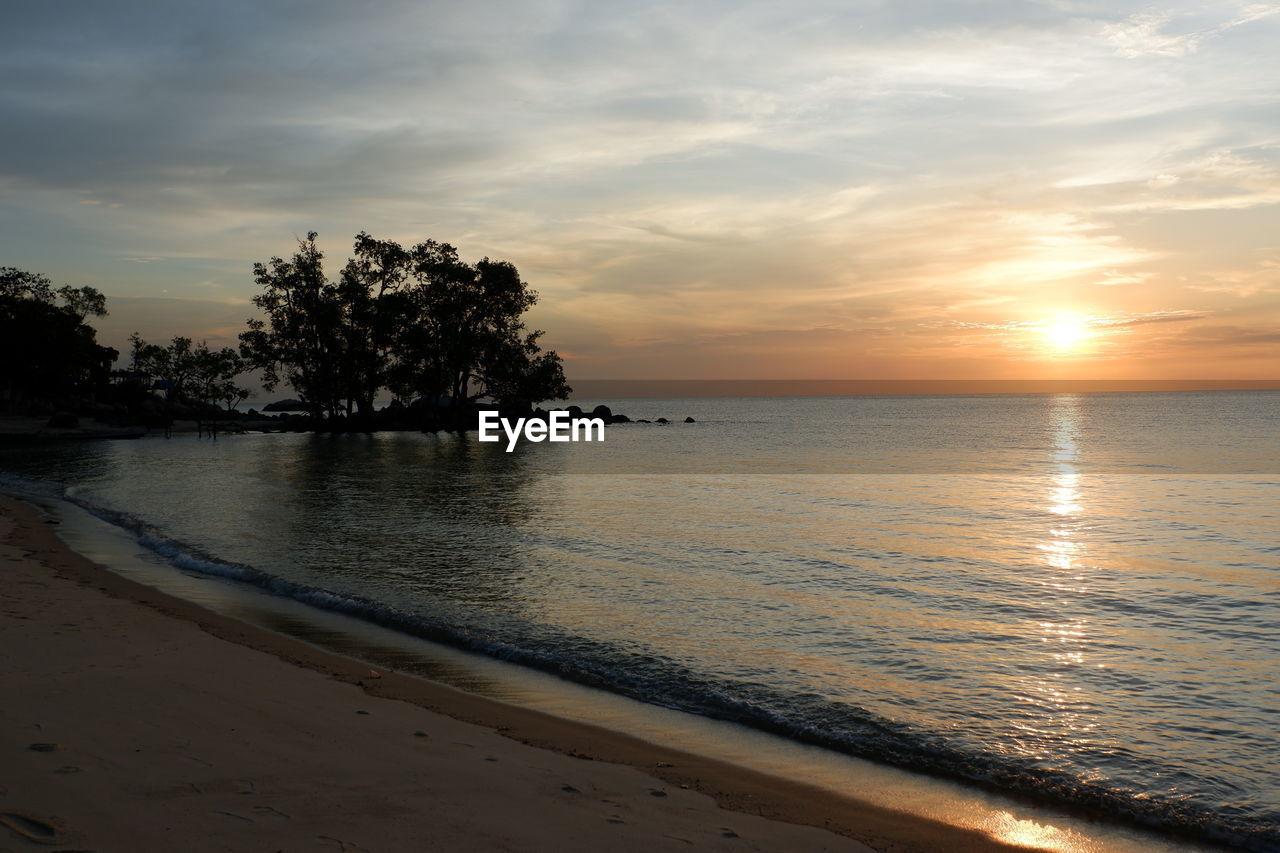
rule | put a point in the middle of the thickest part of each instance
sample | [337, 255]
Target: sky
[698, 190]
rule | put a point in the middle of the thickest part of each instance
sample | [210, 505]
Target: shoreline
[782, 807]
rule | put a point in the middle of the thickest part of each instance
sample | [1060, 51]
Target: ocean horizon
[679, 388]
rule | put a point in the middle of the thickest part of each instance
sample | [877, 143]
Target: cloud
[1130, 320]
[160, 319]
[1228, 337]
[704, 173]
[1144, 34]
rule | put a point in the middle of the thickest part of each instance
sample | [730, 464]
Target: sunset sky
[698, 190]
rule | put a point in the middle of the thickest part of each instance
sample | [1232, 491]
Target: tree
[423, 341]
[190, 373]
[417, 321]
[520, 374]
[47, 350]
[374, 301]
[83, 301]
[301, 341]
[477, 337]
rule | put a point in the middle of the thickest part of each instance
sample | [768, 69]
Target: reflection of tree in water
[434, 514]
[65, 463]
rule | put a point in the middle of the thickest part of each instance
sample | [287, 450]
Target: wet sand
[135, 721]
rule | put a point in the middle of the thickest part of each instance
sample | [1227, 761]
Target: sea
[1069, 598]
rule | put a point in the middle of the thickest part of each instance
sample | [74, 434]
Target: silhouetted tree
[301, 341]
[215, 377]
[423, 342]
[519, 374]
[374, 300]
[417, 321]
[467, 338]
[47, 350]
[190, 373]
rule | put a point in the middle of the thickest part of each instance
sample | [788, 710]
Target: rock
[643, 421]
[690, 421]
[602, 411]
[289, 405]
[619, 419]
[663, 421]
[574, 411]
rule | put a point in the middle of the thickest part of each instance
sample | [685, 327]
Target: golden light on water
[1060, 705]
[1064, 495]
[1037, 836]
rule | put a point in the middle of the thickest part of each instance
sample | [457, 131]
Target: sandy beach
[136, 721]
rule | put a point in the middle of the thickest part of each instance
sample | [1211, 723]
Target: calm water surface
[1074, 595]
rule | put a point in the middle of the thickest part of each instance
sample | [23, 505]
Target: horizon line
[902, 387]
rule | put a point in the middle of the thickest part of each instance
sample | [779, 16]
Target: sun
[1068, 332]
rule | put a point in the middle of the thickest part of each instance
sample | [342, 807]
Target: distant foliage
[193, 373]
[47, 350]
[417, 321]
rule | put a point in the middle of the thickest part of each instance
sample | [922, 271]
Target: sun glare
[1066, 333]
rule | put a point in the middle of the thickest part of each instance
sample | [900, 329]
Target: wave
[807, 718]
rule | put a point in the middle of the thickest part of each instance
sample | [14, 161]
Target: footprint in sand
[38, 828]
[344, 846]
[272, 812]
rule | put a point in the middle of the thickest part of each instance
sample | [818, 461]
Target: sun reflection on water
[1065, 495]
[1063, 549]
[1061, 708]
[1038, 836]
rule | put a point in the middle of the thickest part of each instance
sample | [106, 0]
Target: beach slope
[133, 721]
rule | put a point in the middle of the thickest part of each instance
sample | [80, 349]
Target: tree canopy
[191, 371]
[47, 350]
[416, 321]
